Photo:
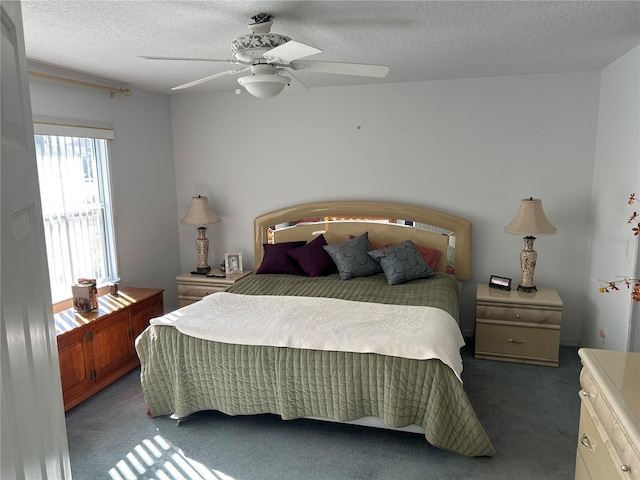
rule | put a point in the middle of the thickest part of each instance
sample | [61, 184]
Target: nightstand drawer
[519, 314]
[199, 291]
[192, 288]
[517, 341]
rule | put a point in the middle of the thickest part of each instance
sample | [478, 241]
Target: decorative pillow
[313, 259]
[351, 257]
[276, 260]
[402, 262]
[430, 255]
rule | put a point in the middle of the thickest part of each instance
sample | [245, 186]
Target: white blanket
[322, 324]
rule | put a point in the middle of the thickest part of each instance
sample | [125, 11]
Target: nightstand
[192, 288]
[520, 327]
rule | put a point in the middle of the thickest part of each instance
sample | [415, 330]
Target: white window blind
[73, 172]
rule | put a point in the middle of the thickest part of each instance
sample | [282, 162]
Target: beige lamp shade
[200, 213]
[530, 219]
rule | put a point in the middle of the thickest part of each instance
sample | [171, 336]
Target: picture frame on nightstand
[233, 263]
[501, 283]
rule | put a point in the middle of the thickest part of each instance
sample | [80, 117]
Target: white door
[34, 436]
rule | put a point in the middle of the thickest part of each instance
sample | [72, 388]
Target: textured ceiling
[419, 40]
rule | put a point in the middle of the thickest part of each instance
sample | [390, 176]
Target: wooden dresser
[609, 432]
[519, 327]
[97, 348]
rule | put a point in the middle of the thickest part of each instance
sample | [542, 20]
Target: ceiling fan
[271, 57]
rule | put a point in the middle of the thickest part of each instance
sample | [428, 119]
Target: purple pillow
[314, 259]
[276, 260]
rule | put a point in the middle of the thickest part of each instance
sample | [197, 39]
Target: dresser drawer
[592, 450]
[612, 428]
[581, 469]
[519, 314]
[517, 341]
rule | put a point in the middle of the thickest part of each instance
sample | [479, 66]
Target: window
[73, 171]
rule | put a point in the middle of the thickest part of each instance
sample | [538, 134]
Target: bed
[342, 340]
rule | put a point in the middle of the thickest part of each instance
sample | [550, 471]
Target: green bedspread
[439, 291]
[182, 374]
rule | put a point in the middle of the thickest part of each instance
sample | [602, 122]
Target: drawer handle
[585, 441]
[517, 315]
[625, 468]
[511, 340]
[584, 393]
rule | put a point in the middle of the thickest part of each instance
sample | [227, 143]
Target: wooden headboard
[385, 222]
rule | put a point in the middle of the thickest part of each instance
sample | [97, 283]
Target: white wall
[613, 250]
[142, 174]
[473, 147]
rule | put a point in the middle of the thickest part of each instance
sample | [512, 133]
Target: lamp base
[202, 249]
[528, 259]
[527, 289]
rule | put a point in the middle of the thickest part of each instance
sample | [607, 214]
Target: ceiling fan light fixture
[270, 54]
[264, 86]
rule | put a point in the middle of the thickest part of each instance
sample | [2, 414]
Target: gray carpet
[530, 414]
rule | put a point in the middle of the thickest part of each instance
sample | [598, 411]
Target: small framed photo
[232, 263]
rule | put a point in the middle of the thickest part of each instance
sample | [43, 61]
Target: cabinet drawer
[510, 340]
[199, 291]
[519, 314]
[592, 449]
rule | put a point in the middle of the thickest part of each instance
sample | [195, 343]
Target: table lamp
[200, 213]
[529, 221]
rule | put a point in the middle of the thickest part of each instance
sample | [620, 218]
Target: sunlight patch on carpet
[157, 458]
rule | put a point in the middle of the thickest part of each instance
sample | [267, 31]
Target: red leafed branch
[630, 283]
[634, 217]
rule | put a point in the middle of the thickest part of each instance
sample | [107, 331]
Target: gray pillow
[401, 263]
[351, 257]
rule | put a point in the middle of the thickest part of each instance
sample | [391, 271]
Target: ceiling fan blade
[191, 59]
[290, 51]
[295, 85]
[360, 69]
[209, 78]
